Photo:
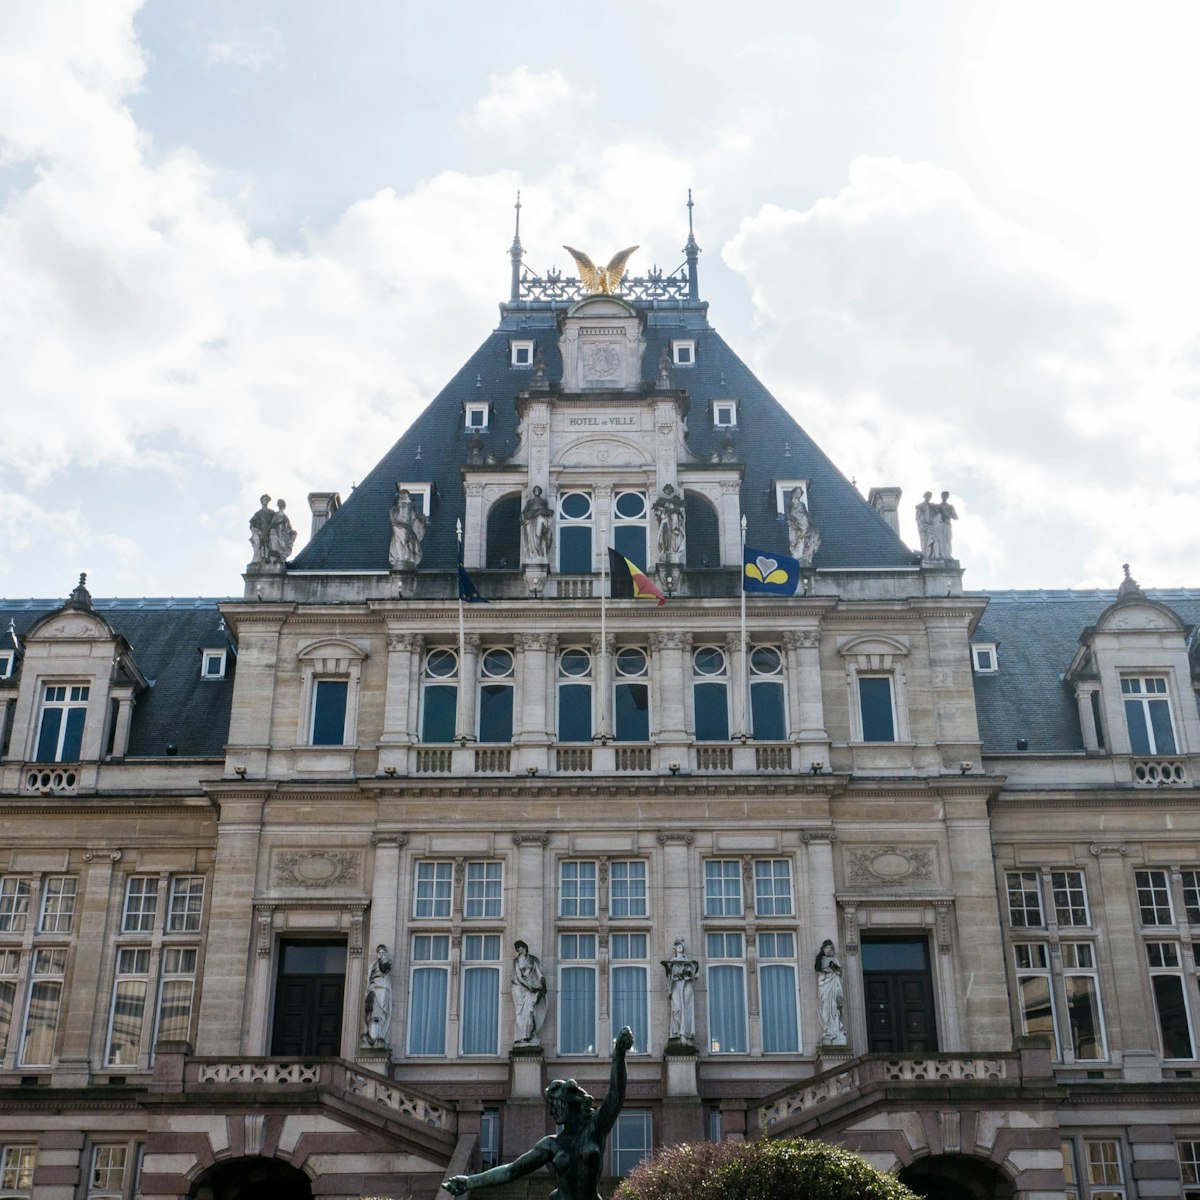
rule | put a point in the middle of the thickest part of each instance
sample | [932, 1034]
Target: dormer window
[7, 660]
[1148, 714]
[724, 414]
[212, 664]
[476, 416]
[60, 728]
[683, 352]
[783, 493]
[983, 658]
[521, 352]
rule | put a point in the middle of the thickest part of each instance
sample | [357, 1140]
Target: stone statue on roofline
[271, 534]
[671, 512]
[803, 538]
[933, 527]
[537, 527]
[408, 531]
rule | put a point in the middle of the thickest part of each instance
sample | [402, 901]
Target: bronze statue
[576, 1154]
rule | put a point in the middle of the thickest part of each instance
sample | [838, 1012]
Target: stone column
[94, 937]
[254, 690]
[120, 741]
[230, 926]
[731, 523]
[474, 540]
[534, 655]
[398, 721]
[953, 690]
[602, 652]
[412, 725]
[739, 713]
[385, 912]
[468, 685]
[807, 708]
[821, 903]
[666, 669]
[1087, 715]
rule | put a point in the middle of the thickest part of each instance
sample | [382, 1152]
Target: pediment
[604, 452]
[1139, 615]
[71, 624]
[601, 306]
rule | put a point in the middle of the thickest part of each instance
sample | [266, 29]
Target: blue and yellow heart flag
[774, 574]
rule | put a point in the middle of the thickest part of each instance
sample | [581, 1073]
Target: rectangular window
[481, 992]
[1070, 1170]
[577, 889]
[497, 675]
[773, 887]
[14, 903]
[141, 904]
[1154, 897]
[768, 706]
[212, 664]
[433, 889]
[6, 663]
[128, 1006]
[1104, 1171]
[710, 694]
[1189, 1169]
[329, 712]
[107, 1179]
[630, 1141]
[476, 415]
[631, 695]
[577, 993]
[1035, 992]
[722, 888]
[489, 1138]
[576, 520]
[575, 694]
[683, 352]
[427, 998]
[521, 353]
[485, 882]
[876, 708]
[983, 657]
[16, 1170]
[41, 1017]
[631, 987]
[175, 994]
[1024, 900]
[724, 414]
[439, 695]
[777, 993]
[627, 890]
[1170, 1000]
[1148, 714]
[1082, 987]
[187, 904]
[58, 903]
[726, 994]
[1070, 897]
[60, 733]
[1191, 895]
[10, 965]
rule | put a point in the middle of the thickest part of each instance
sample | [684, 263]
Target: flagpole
[744, 731]
[460, 734]
[602, 724]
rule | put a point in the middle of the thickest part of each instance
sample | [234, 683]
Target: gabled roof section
[1037, 635]
[166, 637]
[767, 441]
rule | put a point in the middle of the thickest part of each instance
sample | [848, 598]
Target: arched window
[710, 693]
[504, 534]
[768, 711]
[575, 694]
[703, 548]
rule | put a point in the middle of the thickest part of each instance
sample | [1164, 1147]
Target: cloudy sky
[243, 242]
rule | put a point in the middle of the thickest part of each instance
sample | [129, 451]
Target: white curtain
[427, 1015]
[480, 1010]
[780, 1029]
[727, 1010]
[577, 1011]
[629, 1005]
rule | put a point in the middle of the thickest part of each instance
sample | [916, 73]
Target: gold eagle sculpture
[600, 280]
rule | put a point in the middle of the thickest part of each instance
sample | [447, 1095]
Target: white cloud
[992, 361]
[515, 100]
[255, 50]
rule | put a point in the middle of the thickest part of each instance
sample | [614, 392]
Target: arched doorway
[956, 1177]
[252, 1179]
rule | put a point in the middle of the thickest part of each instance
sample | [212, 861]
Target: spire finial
[516, 253]
[692, 252]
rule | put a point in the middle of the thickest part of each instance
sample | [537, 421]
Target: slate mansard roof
[166, 638]
[1037, 634]
[768, 442]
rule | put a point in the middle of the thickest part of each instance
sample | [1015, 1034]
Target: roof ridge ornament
[516, 253]
[692, 253]
[80, 597]
[1130, 588]
[600, 281]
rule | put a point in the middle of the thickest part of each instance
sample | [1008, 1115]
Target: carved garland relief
[316, 868]
[890, 864]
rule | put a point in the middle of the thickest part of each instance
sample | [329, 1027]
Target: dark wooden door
[308, 1002]
[899, 993]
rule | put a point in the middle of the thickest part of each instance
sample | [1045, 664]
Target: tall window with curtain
[428, 988]
[631, 987]
[778, 993]
[481, 993]
[577, 993]
[726, 993]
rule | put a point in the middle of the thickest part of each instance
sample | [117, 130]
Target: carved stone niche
[602, 346]
[890, 864]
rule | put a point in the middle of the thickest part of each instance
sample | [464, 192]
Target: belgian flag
[630, 582]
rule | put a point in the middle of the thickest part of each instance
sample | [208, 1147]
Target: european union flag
[774, 574]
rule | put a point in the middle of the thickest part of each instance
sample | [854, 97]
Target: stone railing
[773, 758]
[633, 758]
[854, 1080]
[433, 761]
[369, 1087]
[260, 1071]
[573, 758]
[944, 1068]
[714, 758]
[575, 587]
[492, 759]
[1158, 772]
[45, 780]
[337, 1075]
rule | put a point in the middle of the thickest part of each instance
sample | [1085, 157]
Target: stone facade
[213, 813]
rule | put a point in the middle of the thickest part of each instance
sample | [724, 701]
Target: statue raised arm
[576, 1153]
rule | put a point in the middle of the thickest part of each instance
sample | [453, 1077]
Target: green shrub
[778, 1170]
